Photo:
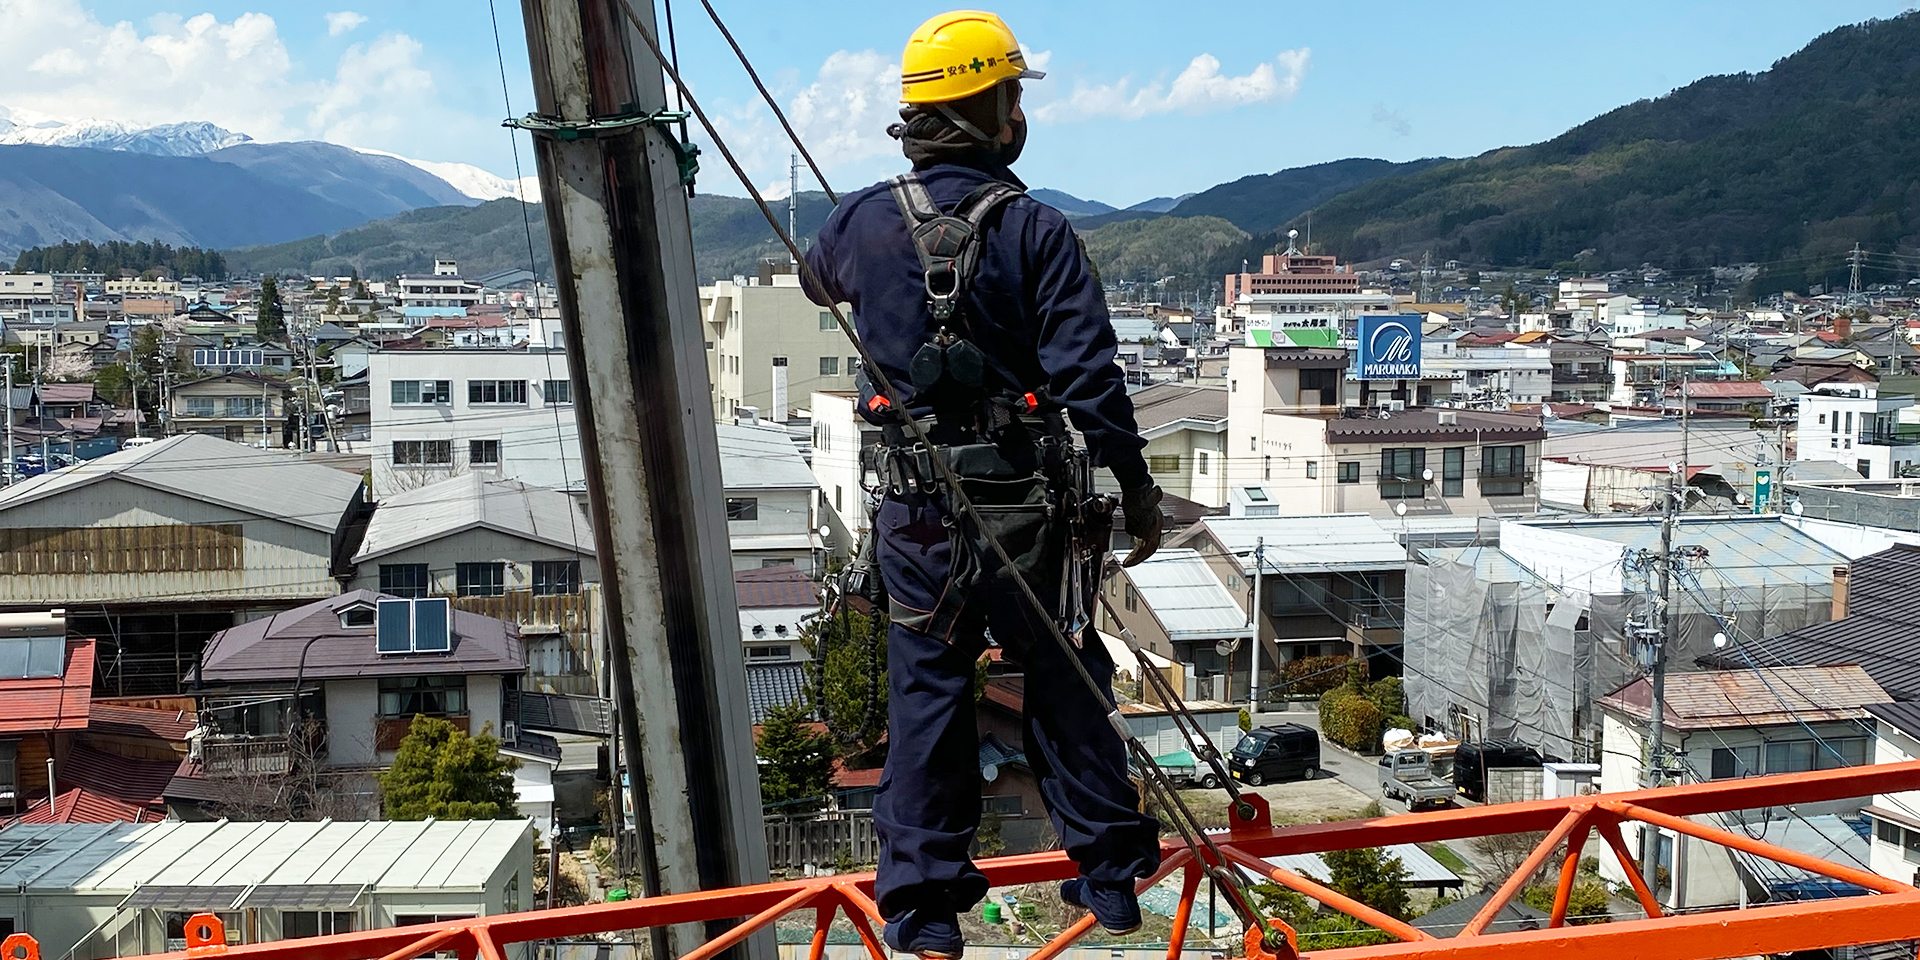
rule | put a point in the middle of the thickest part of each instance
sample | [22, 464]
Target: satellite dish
[990, 772]
[1226, 648]
[1399, 509]
[1427, 474]
[826, 530]
[1798, 509]
[1719, 640]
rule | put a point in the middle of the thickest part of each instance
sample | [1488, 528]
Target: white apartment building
[771, 517]
[1645, 316]
[135, 287]
[839, 434]
[1489, 377]
[444, 287]
[1335, 312]
[20, 289]
[1852, 425]
[768, 345]
[1895, 849]
[505, 414]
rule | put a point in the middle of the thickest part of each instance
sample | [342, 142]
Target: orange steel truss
[1890, 913]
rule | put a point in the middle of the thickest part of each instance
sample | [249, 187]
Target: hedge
[1351, 720]
[1311, 676]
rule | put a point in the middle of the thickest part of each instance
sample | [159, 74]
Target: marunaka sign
[1389, 347]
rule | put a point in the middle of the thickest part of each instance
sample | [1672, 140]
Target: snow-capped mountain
[166, 140]
[471, 180]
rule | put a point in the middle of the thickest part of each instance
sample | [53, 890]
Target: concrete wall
[748, 326]
[280, 560]
[534, 448]
[476, 546]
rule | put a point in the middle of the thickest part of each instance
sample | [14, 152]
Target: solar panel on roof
[32, 657]
[432, 625]
[304, 896]
[395, 626]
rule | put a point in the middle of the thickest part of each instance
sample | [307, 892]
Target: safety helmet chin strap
[1003, 110]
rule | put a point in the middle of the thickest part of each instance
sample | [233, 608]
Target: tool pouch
[1012, 504]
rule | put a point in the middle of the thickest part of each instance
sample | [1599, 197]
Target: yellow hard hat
[956, 55]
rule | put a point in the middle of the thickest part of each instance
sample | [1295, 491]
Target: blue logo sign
[1389, 347]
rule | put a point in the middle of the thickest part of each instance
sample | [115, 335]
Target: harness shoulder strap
[948, 244]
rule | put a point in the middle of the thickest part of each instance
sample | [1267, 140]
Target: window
[246, 406]
[1503, 471]
[1290, 595]
[1823, 418]
[1790, 756]
[1400, 470]
[483, 453]
[10, 775]
[488, 579]
[1849, 422]
[839, 498]
[404, 697]
[423, 391]
[404, 579]
[1912, 845]
[1843, 752]
[199, 406]
[1133, 599]
[556, 392]
[1266, 468]
[497, 391]
[1453, 471]
[298, 924]
[1731, 762]
[743, 508]
[555, 577]
[421, 453]
[1313, 470]
[1200, 462]
[1325, 381]
[829, 366]
[1002, 806]
[779, 652]
[1163, 463]
[1350, 471]
[357, 617]
[827, 322]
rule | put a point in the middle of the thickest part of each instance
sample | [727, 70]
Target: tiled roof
[1755, 697]
[781, 586]
[1904, 715]
[130, 780]
[1730, 390]
[113, 718]
[37, 704]
[1424, 422]
[84, 806]
[273, 649]
[772, 685]
[1449, 919]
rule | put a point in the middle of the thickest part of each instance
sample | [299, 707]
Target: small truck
[1405, 775]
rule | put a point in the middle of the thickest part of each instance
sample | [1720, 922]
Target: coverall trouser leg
[928, 805]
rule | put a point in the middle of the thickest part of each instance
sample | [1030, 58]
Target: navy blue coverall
[1037, 310]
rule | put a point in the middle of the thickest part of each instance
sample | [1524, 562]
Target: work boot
[933, 934]
[1114, 905]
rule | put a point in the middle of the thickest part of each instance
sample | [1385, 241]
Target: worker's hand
[1140, 507]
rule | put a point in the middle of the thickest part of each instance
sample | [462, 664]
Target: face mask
[1009, 152]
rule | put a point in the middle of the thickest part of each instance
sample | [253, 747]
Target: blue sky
[1143, 98]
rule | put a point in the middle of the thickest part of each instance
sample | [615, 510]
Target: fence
[795, 842]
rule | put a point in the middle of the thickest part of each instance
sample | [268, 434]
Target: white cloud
[1200, 88]
[1395, 121]
[236, 73]
[842, 117]
[344, 21]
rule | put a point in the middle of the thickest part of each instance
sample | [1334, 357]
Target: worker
[1012, 309]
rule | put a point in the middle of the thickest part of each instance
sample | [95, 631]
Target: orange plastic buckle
[878, 403]
[1033, 402]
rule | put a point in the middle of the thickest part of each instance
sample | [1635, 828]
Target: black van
[1472, 760]
[1272, 754]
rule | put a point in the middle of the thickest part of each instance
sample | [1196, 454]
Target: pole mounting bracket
[685, 154]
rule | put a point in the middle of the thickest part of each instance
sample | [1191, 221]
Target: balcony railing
[240, 757]
[1515, 485]
[1889, 438]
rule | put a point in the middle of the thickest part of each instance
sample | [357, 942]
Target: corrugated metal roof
[1186, 597]
[1741, 552]
[120, 720]
[1341, 541]
[761, 458]
[37, 704]
[471, 501]
[1489, 564]
[121, 858]
[1902, 715]
[214, 471]
[1755, 697]
[1449, 919]
[1422, 869]
[1163, 405]
[1879, 633]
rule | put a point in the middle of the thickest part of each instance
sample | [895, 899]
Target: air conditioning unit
[1449, 418]
[1397, 406]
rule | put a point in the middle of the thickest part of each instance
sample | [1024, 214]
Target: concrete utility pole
[1653, 766]
[1253, 620]
[616, 211]
[6, 476]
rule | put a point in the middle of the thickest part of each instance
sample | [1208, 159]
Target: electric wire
[772, 104]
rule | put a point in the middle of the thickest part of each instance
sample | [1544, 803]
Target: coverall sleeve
[1077, 346]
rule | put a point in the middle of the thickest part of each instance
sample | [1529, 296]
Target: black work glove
[1141, 509]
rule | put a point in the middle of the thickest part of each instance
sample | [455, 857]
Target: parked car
[138, 442]
[1407, 776]
[1288, 751]
[1473, 759]
[29, 465]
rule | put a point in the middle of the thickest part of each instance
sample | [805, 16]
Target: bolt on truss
[1890, 912]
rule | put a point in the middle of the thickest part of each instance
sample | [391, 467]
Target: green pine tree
[1368, 875]
[443, 773]
[271, 323]
[855, 664]
[796, 762]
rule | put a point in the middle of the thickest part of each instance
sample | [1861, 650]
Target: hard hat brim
[1032, 75]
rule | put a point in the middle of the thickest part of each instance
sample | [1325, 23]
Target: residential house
[127, 889]
[1858, 426]
[1299, 446]
[1185, 426]
[768, 345]
[1582, 371]
[504, 413]
[502, 548]
[364, 663]
[1725, 724]
[1895, 848]
[1623, 467]
[156, 547]
[1328, 585]
[1176, 607]
[240, 407]
[840, 435]
[776, 606]
[770, 494]
[1728, 396]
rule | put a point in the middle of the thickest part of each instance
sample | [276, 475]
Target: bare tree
[281, 778]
